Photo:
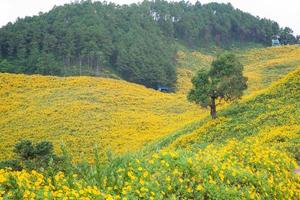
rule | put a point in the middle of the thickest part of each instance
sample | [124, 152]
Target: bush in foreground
[30, 156]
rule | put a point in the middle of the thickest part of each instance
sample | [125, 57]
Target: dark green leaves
[227, 77]
[224, 80]
[39, 156]
[134, 42]
[200, 93]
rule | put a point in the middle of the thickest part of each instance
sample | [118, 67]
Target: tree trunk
[213, 109]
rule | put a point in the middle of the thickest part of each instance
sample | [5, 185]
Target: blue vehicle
[275, 40]
[163, 89]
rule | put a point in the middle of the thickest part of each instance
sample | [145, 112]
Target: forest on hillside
[136, 42]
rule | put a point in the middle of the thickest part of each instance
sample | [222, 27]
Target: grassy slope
[272, 116]
[83, 111]
[262, 65]
[188, 63]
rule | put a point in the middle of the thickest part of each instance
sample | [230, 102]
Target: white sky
[286, 13]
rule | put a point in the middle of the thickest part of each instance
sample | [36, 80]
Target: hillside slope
[115, 114]
[266, 65]
[262, 65]
[83, 111]
[271, 117]
[250, 152]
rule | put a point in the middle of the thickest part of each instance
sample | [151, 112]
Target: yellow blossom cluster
[34, 185]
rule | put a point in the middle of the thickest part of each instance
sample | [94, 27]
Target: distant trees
[287, 37]
[224, 81]
[134, 41]
[298, 39]
[86, 38]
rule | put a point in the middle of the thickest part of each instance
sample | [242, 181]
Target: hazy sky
[285, 12]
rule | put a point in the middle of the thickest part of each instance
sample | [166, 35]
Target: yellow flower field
[249, 152]
[83, 111]
[236, 170]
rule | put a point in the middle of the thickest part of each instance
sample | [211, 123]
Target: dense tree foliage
[31, 156]
[287, 37]
[224, 81]
[133, 41]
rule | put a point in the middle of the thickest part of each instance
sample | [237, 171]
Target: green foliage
[236, 170]
[224, 81]
[135, 41]
[30, 156]
[6, 66]
[13, 164]
[86, 39]
[287, 37]
[25, 150]
[227, 77]
[202, 89]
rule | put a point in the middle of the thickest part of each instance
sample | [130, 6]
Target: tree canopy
[135, 41]
[224, 81]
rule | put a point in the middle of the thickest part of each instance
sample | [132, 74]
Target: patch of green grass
[274, 73]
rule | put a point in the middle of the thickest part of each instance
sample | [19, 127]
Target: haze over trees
[136, 42]
[224, 81]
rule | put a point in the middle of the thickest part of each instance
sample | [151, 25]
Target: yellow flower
[199, 188]
[211, 181]
[189, 190]
[109, 197]
[168, 179]
[142, 182]
[145, 174]
[221, 175]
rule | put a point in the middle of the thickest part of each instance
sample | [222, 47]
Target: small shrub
[13, 164]
[30, 156]
[24, 150]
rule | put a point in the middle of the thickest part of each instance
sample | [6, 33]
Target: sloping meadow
[116, 115]
[274, 108]
[249, 152]
[262, 66]
[82, 112]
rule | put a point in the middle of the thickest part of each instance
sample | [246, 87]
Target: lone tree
[224, 81]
